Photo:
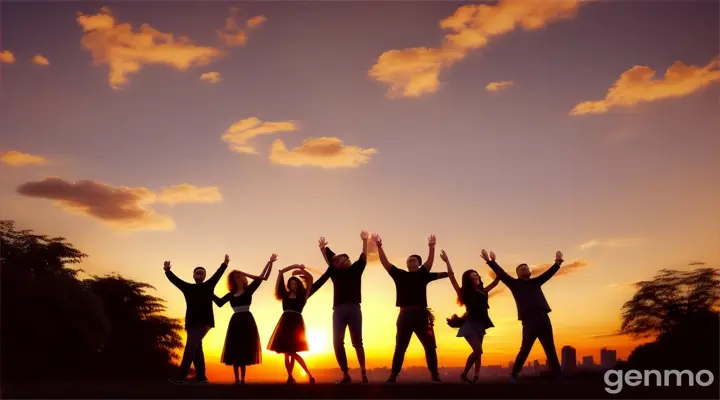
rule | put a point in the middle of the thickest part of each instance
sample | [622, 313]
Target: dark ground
[534, 390]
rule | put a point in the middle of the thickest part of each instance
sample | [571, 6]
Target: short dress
[242, 342]
[477, 319]
[289, 334]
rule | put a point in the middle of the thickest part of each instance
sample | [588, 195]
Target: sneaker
[475, 379]
[312, 380]
[290, 380]
[513, 380]
[202, 380]
[392, 379]
[464, 378]
[365, 379]
[177, 381]
[436, 379]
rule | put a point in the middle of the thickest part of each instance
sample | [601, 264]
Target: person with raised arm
[472, 325]
[347, 279]
[532, 310]
[199, 318]
[415, 316]
[242, 341]
[289, 337]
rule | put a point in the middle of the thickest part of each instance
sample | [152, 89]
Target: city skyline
[143, 135]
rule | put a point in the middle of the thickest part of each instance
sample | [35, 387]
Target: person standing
[199, 318]
[471, 326]
[242, 341]
[532, 310]
[414, 316]
[346, 278]
[289, 337]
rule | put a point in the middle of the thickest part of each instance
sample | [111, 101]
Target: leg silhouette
[548, 343]
[529, 334]
[339, 326]
[402, 340]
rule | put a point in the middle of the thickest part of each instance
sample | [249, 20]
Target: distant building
[569, 358]
[608, 358]
[587, 362]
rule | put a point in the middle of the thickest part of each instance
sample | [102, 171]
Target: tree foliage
[680, 310]
[670, 299]
[56, 326]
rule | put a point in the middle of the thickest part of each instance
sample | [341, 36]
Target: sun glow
[317, 341]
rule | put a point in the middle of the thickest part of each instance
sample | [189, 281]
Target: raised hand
[363, 235]
[558, 256]
[431, 240]
[322, 243]
[484, 255]
[273, 258]
[167, 266]
[227, 259]
[492, 256]
[377, 239]
[444, 256]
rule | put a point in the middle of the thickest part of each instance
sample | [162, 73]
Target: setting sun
[317, 341]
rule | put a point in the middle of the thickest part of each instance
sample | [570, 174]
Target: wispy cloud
[236, 35]
[623, 285]
[126, 51]
[613, 243]
[211, 77]
[696, 263]
[40, 60]
[639, 85]
[123, 207]
[239, 134]
[414, 72]
[7, 57]
[566, 269]
[324, 152]
[498, 86]
[607, 335]
[19, 159]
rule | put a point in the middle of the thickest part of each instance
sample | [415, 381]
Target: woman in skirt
[242, 342]
[289, 335]
[475, 321]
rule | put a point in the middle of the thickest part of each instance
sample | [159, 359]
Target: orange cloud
[324, 152]
[20, 159]
[233, 34]
[7, 57]
[498, 86]
[123, 207]
[186, 193]
[613, 243]
[240, 132]
[415, 71]
[126, 51]
[639, 85]
[40, 60]
[211, 77]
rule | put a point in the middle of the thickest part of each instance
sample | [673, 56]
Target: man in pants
[532, 309]
[199, 317]
[346, 278]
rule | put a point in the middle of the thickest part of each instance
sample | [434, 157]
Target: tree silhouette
[670, 299]
[55, 326]
[679, 309]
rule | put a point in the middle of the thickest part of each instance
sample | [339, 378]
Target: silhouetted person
[346, 278]
[289, 337]
[414, 316]
[242, 341]
[532, 309]
[199, 317]
[473, 324]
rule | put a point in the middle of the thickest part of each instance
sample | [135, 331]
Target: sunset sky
[182, 131]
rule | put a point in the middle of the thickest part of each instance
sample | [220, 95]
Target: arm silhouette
[215, 278]
[431, 253]
[545, 276]
[381, 253]
[451, 273]
[220, 301]
[492, 285]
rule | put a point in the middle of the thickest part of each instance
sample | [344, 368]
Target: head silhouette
[236, 281]
[341, 261]
[296, 286]
[470, 283]
[523, 271]
[199, 274]
[414, 262]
